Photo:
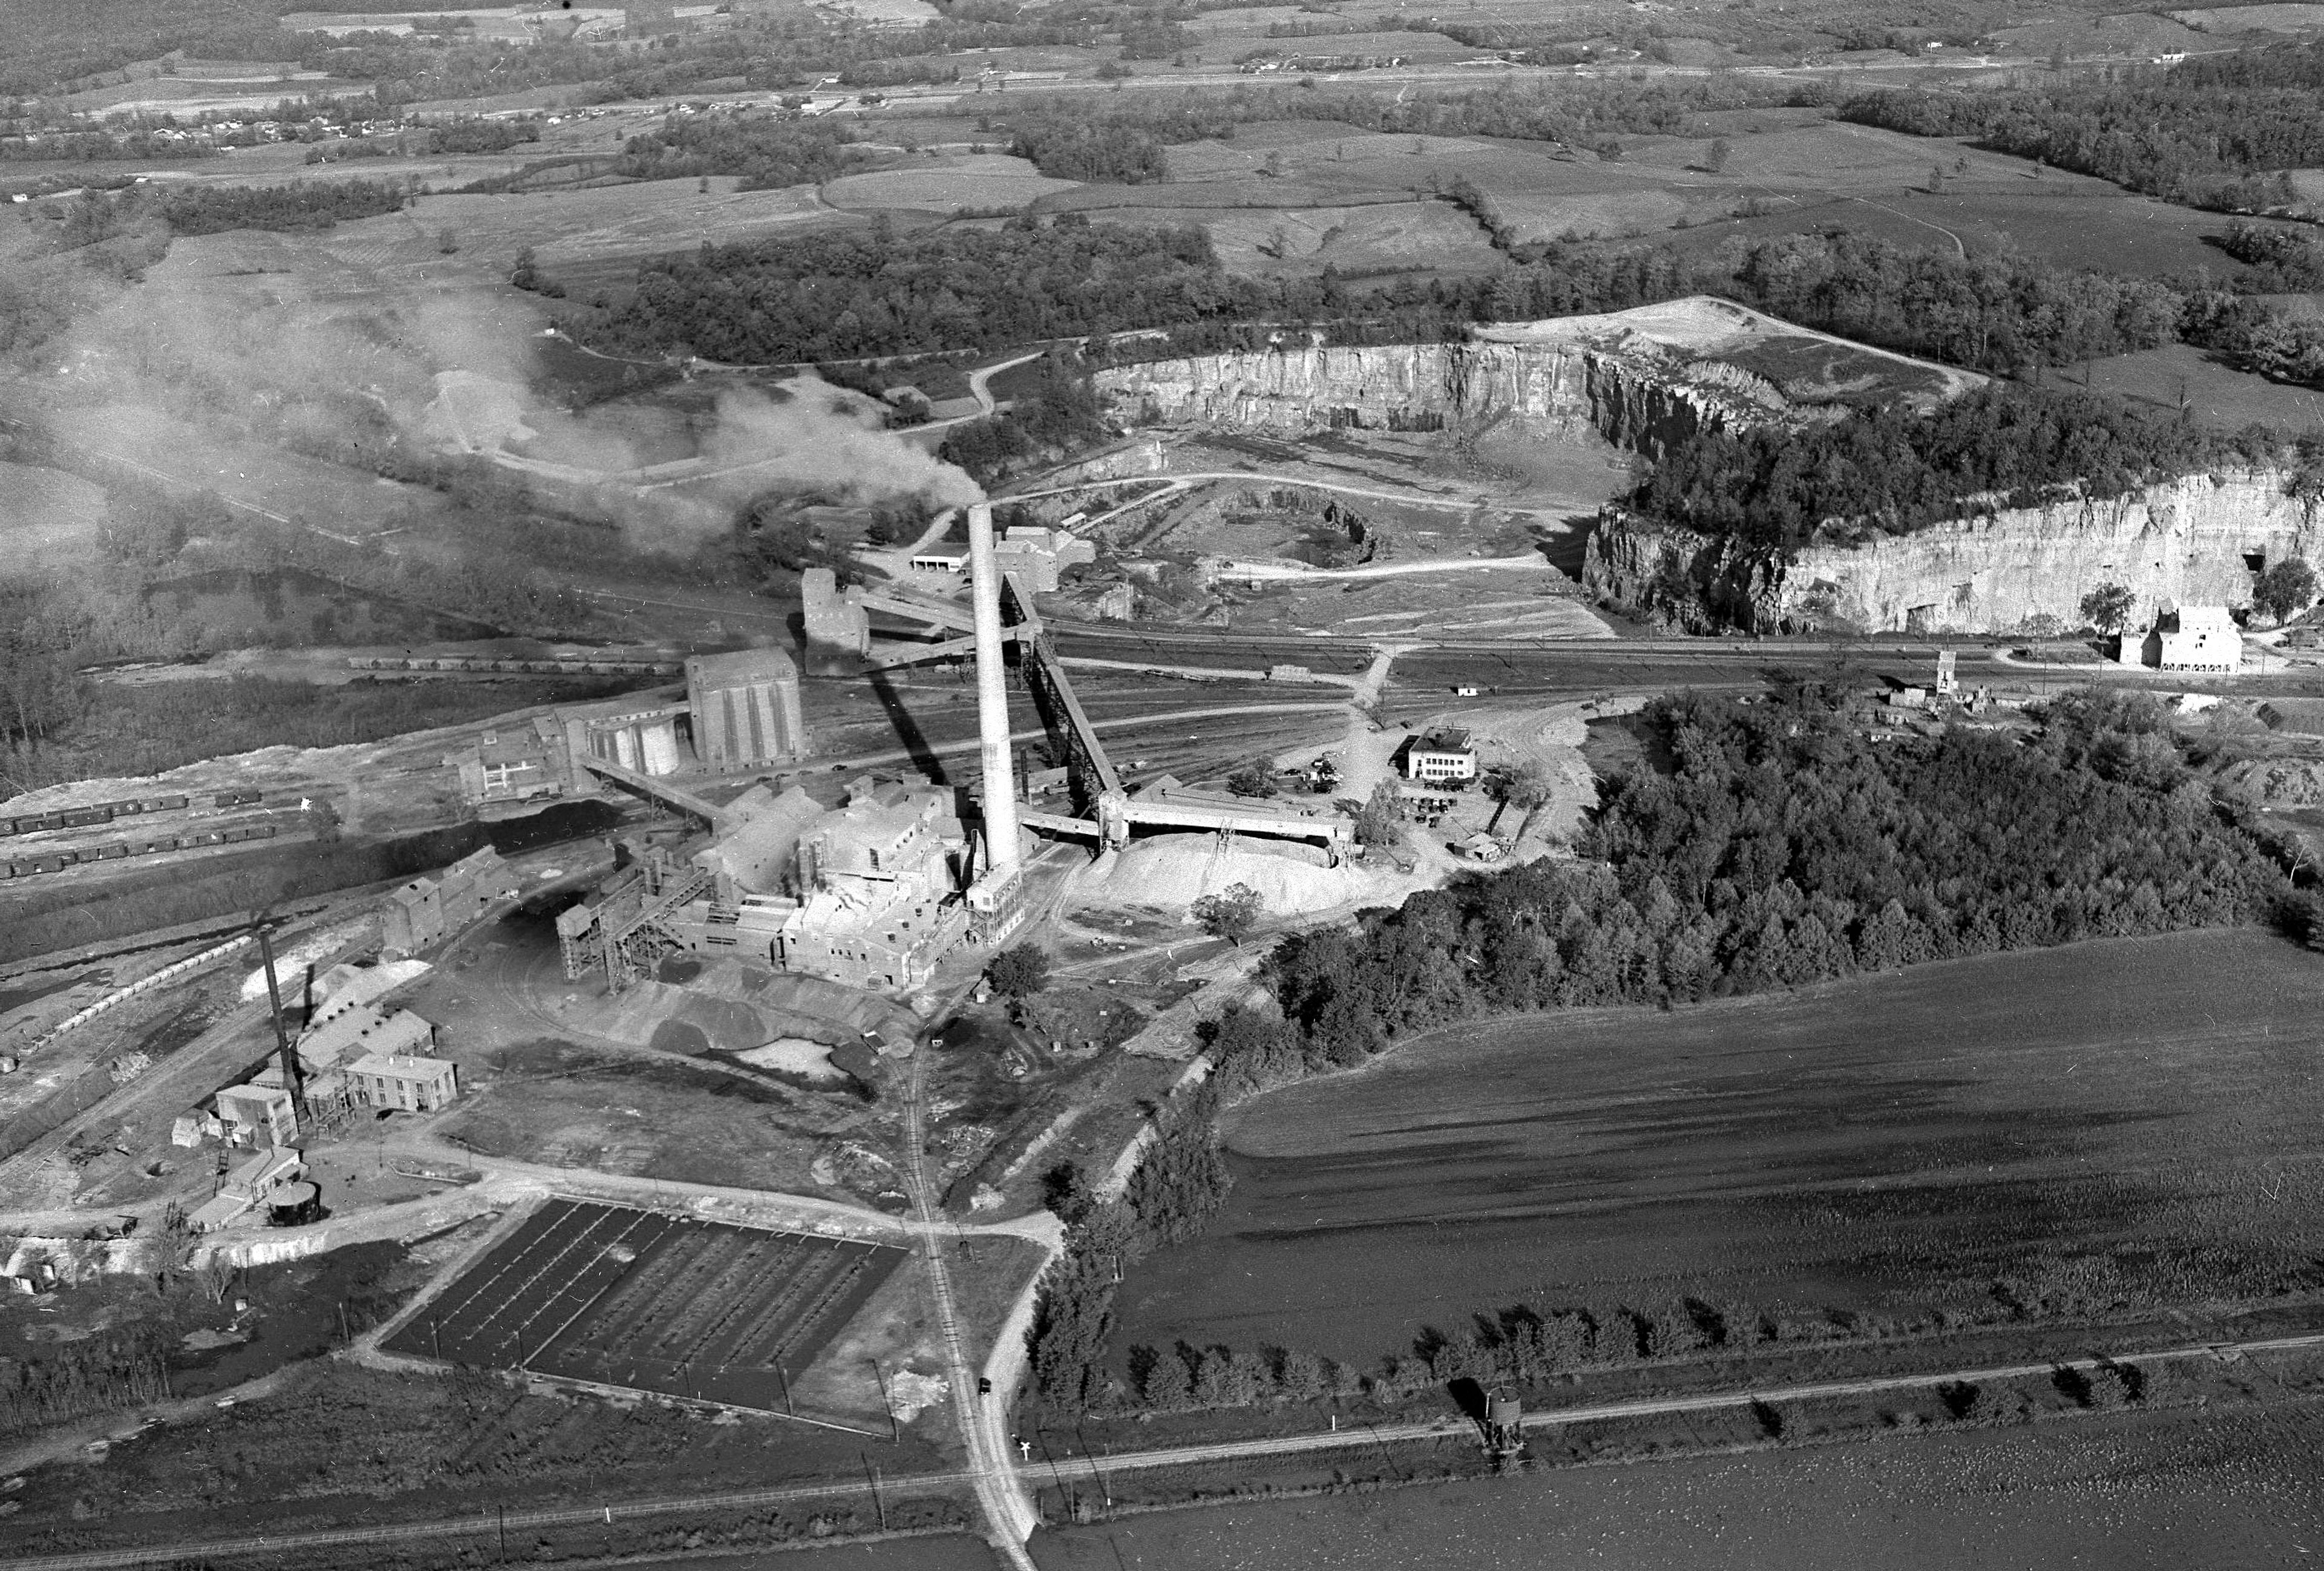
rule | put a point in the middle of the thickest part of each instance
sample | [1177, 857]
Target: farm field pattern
[628, 1298]
[2120, 1122]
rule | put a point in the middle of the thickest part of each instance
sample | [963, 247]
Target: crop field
[625, 221]
[1784, 171]
[2117, 1125]
[636, 1299]
[980, 181]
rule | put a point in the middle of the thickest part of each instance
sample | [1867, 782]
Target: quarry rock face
[1636, 395]
[2195, 540]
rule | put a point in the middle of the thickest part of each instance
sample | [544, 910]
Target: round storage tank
[294, 1205]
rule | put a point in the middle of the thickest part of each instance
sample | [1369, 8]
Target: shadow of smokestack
[908, 730]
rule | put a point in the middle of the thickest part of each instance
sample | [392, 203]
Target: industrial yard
[927, 786]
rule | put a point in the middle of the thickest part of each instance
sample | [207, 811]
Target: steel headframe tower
[1002, 848]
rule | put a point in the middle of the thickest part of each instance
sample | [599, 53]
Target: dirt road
[224, 1551]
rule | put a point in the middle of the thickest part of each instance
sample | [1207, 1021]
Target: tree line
[2207, 133]
[1894, 470]
[848, 296]
[1780, 847]
[874, 292]
[1569, 113]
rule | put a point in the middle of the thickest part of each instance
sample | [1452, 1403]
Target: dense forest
[1782, 847]
[1894, 470]
[2209, 132]
[873, 292]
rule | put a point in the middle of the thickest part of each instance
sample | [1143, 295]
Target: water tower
[1502, 1429]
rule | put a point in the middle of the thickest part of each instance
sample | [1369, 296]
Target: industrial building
[837, 623]
[2196, 638]
[248, 1185]
[1441, 756]
[257, 1115]
[637, 734]
[521, 764]
[745, 709]
[411, 1082]
[1039, 556]
[427, 909]
[326, 1050]
[868, 892]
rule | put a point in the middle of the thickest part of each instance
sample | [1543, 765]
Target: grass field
[625, 221]
[2118, 1125]
[2134, 1491]
[977, 180]
[2217, 395]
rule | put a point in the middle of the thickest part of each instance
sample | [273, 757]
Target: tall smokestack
[1001, 851]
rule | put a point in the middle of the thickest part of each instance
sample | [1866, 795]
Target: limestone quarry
[1644, 379]
[2199, 540]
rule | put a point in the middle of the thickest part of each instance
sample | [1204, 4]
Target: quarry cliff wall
[1634, 398]
[2194, 541]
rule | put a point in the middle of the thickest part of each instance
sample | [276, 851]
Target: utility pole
[895, 1430]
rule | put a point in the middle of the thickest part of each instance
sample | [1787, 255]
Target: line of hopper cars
[52, 860]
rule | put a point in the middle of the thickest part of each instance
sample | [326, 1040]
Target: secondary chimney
[1001, 851]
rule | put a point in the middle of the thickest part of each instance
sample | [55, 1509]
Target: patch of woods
[769, 154]
[138, 1355]
[1779, 847]
[1058, 414]
[2205, 132]
[1896, 470]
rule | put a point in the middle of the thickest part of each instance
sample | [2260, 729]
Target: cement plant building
[745, 709]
